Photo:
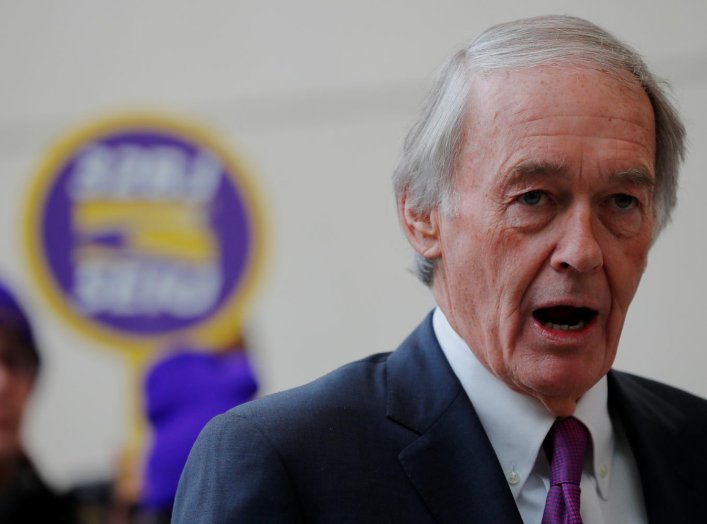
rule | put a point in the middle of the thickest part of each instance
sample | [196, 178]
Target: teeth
[565, 327]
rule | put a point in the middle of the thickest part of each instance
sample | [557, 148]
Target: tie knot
[565, 445]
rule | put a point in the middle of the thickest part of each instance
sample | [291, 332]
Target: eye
[623, 201]
[532, 210]
[533, 198]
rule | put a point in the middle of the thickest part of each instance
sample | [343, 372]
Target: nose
[578, 248]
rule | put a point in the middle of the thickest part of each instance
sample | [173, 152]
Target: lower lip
[577, 336]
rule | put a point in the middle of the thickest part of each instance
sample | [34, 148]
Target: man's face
[550, 229]
[16, 380]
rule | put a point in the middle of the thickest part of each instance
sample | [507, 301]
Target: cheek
[20, 398]
[517, 260]
[511, 267]
[625, 273]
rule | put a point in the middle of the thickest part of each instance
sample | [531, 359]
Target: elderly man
[541, 170]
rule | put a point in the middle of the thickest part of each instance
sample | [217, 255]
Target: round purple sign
[144, 229]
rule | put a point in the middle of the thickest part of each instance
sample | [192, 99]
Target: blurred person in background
[184, 389]
[24, 496]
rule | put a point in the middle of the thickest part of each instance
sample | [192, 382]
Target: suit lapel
[451, 464]
[454, 469]
[671, 476]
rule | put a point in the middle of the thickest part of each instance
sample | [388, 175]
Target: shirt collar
[517, 424]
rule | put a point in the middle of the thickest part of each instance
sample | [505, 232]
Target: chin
[565, 383]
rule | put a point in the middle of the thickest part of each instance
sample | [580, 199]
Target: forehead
[555, 88]
[555, 107]
[586, 121]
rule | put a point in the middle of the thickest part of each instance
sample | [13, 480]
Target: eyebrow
[635, 177]
[632, 176]
[534, 168]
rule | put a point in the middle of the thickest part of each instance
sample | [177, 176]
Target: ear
[421, 230]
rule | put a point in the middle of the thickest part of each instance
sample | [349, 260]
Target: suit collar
[451, 464]
[421, 385]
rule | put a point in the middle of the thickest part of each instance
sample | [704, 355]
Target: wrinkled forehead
[507, 106]
[548, 89]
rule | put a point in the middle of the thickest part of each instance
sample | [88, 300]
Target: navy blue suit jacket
[394, 438]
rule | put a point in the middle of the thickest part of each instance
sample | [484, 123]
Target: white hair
[425, 173]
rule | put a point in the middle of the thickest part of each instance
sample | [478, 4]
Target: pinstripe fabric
[565, 446]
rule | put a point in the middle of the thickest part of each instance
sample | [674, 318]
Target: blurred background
[313, 98]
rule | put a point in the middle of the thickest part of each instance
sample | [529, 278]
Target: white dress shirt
[517, 425]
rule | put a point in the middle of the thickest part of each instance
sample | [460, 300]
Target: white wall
[316, 95]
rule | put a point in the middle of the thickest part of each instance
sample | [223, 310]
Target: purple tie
[565, 446]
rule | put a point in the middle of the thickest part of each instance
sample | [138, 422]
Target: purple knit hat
[182, 393]
[14, 321]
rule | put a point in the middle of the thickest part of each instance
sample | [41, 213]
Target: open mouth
[565, 318]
